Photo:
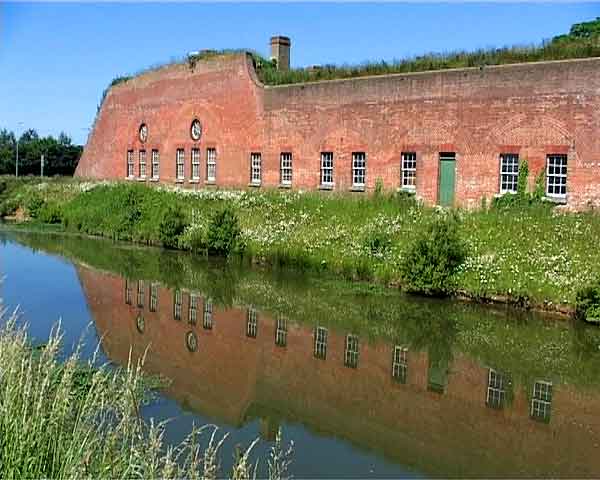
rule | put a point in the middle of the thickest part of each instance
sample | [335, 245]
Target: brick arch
[530, 131]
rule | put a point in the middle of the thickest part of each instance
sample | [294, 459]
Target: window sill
[558, 200]
[141, 179]
[357, 188]
[194, 180]
[408, 189]
[285, 185]
[326, 186]
[254, 185]
[154, 179]
[130, 179]
[210, 182]
[179, 180]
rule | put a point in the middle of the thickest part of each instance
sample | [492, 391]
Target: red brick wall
[454, 434]
[531, 109]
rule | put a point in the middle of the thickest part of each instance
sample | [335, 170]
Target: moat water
[367, 383]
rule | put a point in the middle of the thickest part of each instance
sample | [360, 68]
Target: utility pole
[42, 166]
[17, 161]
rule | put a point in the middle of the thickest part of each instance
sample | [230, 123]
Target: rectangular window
[180, 161]
[281, 332]
[285, 168]
[496, 391]
[359, 169]
[127, 292]
[321, 343]
[351, 351]
[255, 168]
[541, 401]
[193, 309]
[207, 322]
[153, 297]
[178, 300]
[327, 168]
[195, 164]
[155, 164]
[211, 164]
[130, 165]
[509, 172]
[142, 163]
[556, 176]
[409, 170]
[140, 293]
[400, 364]
[252, 323]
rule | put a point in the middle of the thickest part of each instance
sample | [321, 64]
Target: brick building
[239, 364]
[451, 136]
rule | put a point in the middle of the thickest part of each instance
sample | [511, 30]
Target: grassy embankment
[530, 255]
[73, 419]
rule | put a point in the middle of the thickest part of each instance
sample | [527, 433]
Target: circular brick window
[143, 132]
[196, 130]
[140, 324]
[191, 341]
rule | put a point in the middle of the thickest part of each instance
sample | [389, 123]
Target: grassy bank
[531, 255]
[73, 419]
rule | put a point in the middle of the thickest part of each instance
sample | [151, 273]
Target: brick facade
[235, 379]
[533, 110]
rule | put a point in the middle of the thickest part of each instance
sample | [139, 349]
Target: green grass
[69, 419]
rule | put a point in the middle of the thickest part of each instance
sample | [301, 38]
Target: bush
[34, 205]
[224, 233]
[587, 303]
[50, 213]
[172, 225]
[433, 258]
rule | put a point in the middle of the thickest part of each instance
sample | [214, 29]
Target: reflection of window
[437, 375]
[496, 391]
[321, 342]
[153, 297]
[400, 364]
[541, 402]
[208, 314]
[140, 293]
[127, 292]
[351, 351]
[140, 324]
[251, 323]
[177, 305]
[191, 341]
[193, 309]
[281, 332]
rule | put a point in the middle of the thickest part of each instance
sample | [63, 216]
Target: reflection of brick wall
[231, 376]
[531, 109]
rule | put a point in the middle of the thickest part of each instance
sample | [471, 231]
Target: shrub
[224, 233]
[172, 225]
[34, 205]
[433, 258]
[50, 213]
[587, 303]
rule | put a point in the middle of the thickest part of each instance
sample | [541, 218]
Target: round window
[191, 341]
[143, 132]
[196, 130]
[140, 324]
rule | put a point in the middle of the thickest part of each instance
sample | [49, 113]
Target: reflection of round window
[191, 341]
[196, 130]
[140, 323]
[143, 132]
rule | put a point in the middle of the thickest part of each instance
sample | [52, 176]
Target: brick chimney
[280, 51]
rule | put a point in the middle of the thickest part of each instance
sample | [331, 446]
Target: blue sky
[55, 59]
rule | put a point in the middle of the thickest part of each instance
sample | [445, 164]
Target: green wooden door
[447, 179]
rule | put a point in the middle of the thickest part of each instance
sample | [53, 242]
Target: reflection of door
[447, 179]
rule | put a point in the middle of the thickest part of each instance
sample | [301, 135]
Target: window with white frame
[142, 163]
[285, 168]
[409, 170]
[211, 164]
[178, 300]
[207, 322]
[140, 293]
[359, 169]
[281, 332]
[153, 297]
[255, 168]
[195, 164]
[130, 164]
[556, 176]
[193, 309]
[127, 292]
[180, 164]
[351, 351]
[155, 164]
[400, 364]
[321, 343]
[327, 168]
[252, 323]
[496, 391]
[509, 172]
[541, 401]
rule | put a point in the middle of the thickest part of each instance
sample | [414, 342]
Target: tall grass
[73, 419]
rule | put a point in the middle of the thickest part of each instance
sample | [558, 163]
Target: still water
[367, 383]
